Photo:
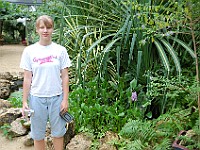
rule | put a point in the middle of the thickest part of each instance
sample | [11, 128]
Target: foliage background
[135, 65]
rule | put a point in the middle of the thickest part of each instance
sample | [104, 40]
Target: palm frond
[139, 62]
[98, 41]
[173, 54]
[132, 47]
[109, 45]
[163, 56]
[187, 48]
[106, 50]
[123, 28]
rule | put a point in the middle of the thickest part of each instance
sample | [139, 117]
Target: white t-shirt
[45, 63]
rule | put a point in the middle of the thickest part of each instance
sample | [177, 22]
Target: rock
[20, 75]
[26, 124]
[70, 132]
[4, 88]
[5, 104]
[17, 129]
[10, 115]
[4, 82]
[106, 142]
[9, 83]
[3, 110]
[19, 83]
[80, 142]
[17, 76]
[6, 75]
[28, 141]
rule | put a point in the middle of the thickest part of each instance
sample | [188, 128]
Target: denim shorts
[46, 109]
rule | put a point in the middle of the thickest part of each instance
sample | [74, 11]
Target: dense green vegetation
[135, 66]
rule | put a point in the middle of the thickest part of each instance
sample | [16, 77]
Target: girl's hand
[25, 106]
[64, 106]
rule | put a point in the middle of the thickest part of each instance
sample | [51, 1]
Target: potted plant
[186, 140]
[176, 144]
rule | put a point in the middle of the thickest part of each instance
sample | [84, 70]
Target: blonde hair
[47, 20]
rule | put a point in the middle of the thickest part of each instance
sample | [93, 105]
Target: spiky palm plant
[110, 38]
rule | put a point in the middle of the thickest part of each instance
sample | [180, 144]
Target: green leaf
[149, 114]
[118, 50]
[162, 54]
[173, 54]
[122, 30]
[128, 32]
[98, 41]
[139, 61]
[132, 47]
[185, 46]
[109, 45]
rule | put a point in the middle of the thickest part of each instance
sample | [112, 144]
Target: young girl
[46, 84]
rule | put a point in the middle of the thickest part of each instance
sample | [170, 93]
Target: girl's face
[44, 31]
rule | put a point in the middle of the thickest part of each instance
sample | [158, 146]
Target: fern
[159, 133]
[164, 143]
[137, 144]
[192, 138]
[138, 130]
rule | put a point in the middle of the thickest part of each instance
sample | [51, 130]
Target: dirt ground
[10, 57]
[14, 144]
[9, 62]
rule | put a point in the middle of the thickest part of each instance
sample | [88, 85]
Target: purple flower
[134, 96]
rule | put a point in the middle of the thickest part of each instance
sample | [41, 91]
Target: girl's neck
[45, 43]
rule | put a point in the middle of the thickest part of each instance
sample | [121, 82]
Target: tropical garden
[135, 66]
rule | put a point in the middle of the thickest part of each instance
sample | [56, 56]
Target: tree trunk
[1, 27]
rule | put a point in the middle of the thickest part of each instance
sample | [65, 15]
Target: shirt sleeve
[65, 60]
[25, 61]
